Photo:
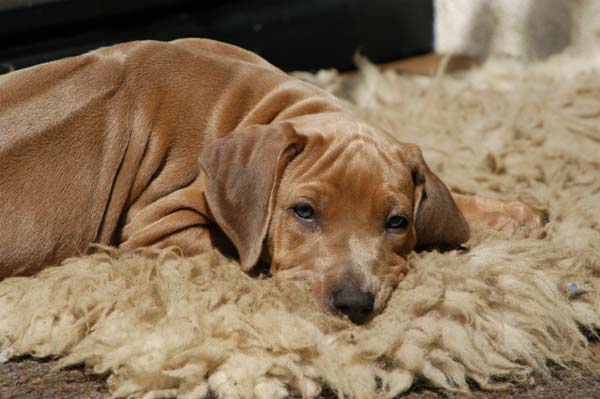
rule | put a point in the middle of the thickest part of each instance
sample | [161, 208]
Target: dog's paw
[520, 216]
[491, 218]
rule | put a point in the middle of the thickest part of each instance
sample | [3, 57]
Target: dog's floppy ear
[437, 219]
[243, 171]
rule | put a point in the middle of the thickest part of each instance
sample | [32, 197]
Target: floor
[27, 378]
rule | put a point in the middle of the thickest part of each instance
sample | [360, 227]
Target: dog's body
[108, 143]
[159, 144]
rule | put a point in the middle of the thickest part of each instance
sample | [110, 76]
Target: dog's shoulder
[221, 50]
[178, 54]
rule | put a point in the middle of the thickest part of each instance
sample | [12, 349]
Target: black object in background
[292, 34]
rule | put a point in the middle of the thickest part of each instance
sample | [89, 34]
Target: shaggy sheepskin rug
[514, 304]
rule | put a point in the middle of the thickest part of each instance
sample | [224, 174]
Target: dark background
[292, 34]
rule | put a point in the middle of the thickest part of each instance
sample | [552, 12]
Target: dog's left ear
[243, 171]
[437, 219]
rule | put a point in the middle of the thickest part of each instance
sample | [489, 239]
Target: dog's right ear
[243, 171]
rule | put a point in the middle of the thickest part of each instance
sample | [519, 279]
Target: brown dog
[160, 144]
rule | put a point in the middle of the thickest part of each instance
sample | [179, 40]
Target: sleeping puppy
[201, 145]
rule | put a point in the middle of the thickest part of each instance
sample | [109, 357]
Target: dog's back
[86, 142]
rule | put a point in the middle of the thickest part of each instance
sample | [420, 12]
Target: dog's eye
[305, 212]
[396, 222]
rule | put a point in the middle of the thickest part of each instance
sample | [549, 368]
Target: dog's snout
[353, 302]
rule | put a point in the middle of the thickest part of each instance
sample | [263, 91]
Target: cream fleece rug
[512, 305]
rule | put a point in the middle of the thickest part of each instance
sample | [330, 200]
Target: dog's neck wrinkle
[278, 100]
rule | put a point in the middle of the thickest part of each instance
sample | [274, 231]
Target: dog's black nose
[354, 303]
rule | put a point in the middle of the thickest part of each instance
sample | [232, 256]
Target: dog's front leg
[504, 216]
[179, 219]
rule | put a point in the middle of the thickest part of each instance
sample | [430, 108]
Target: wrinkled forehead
[354, 164]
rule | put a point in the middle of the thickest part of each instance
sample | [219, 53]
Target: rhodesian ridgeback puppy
[199, 144]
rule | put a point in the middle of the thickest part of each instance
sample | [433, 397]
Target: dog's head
[338, 204]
